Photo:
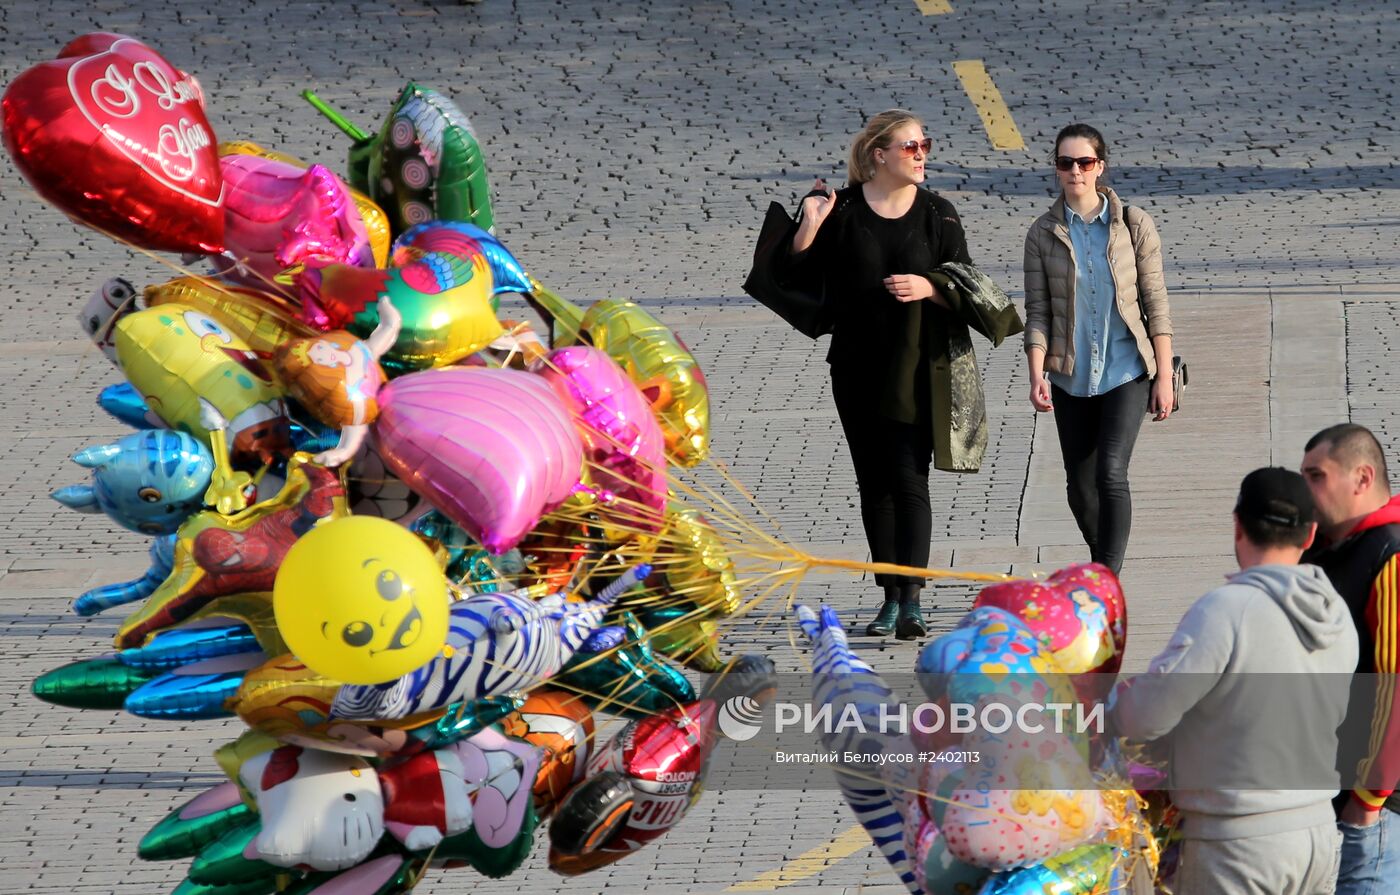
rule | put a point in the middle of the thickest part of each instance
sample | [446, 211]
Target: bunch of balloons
[411, 545]
[1017, 805]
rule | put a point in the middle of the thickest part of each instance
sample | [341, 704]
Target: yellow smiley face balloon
[361, 600]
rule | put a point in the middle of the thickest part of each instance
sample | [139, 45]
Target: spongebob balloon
[174, 355]
[261, 319]
[361, 600]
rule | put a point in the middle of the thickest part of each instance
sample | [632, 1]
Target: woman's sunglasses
[909, 147]
[1067, 163]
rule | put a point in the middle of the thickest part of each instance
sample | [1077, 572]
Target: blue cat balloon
[105, 596]
[148, 482]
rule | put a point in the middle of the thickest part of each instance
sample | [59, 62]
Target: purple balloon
[492, 449]
[622, 439]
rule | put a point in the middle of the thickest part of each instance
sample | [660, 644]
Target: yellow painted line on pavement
[808, 864]
[991, 108]
[934, 7]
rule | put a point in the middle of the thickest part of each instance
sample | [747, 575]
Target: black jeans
[1097, 435]
[892, 462]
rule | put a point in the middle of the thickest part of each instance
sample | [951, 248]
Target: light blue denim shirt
[1105, 352]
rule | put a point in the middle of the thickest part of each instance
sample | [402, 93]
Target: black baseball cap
[1278, 496]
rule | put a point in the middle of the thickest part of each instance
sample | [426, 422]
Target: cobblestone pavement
[633, 147]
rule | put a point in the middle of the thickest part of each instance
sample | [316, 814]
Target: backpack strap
[1142, 309]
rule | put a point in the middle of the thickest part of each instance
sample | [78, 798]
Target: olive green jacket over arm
[975, 302]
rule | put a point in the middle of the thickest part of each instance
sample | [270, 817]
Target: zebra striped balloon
[497, 643]
[844, 682]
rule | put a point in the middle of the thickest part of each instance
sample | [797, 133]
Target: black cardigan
[886, 345]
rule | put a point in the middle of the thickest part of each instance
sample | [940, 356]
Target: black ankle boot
[884, 623]
[910, 624]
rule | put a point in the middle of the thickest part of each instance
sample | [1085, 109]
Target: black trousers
[1097, 435]
[892, 462]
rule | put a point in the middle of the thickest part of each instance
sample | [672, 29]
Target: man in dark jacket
[1358, 546]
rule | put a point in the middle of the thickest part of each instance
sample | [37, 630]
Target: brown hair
[861, 166]
[320, 389]
[1087, 132]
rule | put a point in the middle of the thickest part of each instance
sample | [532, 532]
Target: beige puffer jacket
[1137, 276]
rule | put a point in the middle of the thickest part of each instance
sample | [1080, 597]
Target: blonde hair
[861, 166]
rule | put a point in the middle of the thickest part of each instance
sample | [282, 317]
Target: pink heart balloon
[1078, 614]
[623, 442]
[1029, 797]
[492, 449]
[115, 135]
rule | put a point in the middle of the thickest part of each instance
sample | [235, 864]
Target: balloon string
[720, 467]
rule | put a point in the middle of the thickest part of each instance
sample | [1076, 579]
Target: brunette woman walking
[1098, 336]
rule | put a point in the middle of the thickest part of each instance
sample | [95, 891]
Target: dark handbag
[806, 311]
[1180, 377]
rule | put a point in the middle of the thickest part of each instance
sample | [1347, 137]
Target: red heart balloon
[116, 136]
[1078, 613]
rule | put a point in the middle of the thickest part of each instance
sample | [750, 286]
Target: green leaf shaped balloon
[224, 861]
[188, 829]
[425, 164]
[102, 683]
[255, 887]
[493, 862]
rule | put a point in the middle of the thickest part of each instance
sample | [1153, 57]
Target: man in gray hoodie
[1251, 689]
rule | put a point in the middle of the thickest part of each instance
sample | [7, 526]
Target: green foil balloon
[255, 887]
[425, 164]
[467, 563]
[678, 633]
[461, 720]
[187, 830]
[92, 683]
[496, 863]
[616, 671]
[222, 862]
